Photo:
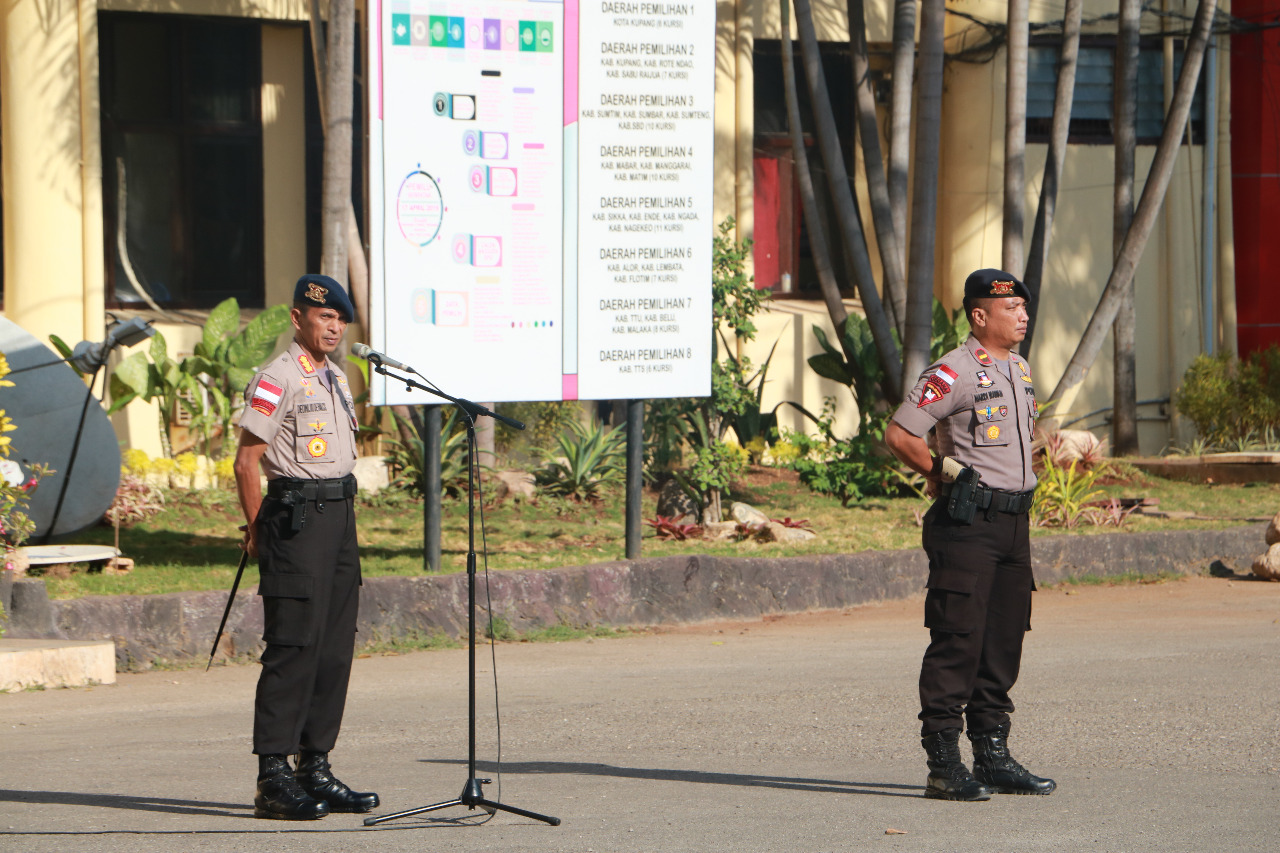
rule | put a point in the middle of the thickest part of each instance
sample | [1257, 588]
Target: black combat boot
[280, 796]
[317, 779]
[948, 778]
[997, 769]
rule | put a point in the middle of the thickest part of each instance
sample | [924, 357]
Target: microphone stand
[472, 795]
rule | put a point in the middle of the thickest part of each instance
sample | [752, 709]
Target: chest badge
[993, 432]
[984, 381]
[304, 361]
[983, 357]
[318, 425]
[317, 446]
[1025, 377]
[989, 412]
[1004, 411]
[306, 388]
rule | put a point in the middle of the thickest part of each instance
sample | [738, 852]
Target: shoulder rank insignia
[984, 381]
[982, 356]
[304, 361]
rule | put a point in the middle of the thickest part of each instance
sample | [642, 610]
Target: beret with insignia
[987, 283]
[321, 291]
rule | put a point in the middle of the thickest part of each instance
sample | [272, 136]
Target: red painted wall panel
[1255, 178]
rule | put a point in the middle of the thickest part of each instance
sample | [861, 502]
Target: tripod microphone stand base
[472, 797]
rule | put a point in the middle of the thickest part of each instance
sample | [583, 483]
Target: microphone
[367, 352]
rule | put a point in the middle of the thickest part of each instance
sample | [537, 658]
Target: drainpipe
[1209, 193]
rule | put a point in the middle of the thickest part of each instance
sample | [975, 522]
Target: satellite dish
[45, 404]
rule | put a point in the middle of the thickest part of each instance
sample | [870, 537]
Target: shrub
[135, 501]
[1063, 495]
[1232, 402]
[586, 460]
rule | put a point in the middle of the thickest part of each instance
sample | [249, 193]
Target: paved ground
[1155, 707]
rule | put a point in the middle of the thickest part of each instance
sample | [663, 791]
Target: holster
[962, 501]
[298, 508]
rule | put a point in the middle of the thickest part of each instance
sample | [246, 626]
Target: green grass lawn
[192, 544]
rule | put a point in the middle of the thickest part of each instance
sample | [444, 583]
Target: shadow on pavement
[749, 780]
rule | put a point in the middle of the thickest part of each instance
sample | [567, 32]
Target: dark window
[1094, 96]
[181, 159]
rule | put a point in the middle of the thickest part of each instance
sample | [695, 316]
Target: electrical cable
[493, 654]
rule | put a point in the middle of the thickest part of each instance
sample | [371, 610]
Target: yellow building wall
[51, 171]
[969, 224]
[53, 220]
[1167, 281]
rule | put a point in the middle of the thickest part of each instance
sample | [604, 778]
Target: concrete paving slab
[1153, 706]
[55, 663]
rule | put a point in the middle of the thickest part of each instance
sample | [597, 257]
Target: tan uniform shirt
[983, 417]
[309, 429]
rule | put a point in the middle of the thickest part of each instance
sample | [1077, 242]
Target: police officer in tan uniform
[980, 401]
[299, 428]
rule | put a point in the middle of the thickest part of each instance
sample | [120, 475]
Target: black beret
[321, 291]
[982, 284]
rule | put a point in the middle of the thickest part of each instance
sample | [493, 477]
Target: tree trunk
[924, 207]
[339, 82]
[1015, 136]
[904, 62]
[842, 195]
[804, 178]
[895, 286]
[1042, 234]
[1124, 423]
[1153, 192]
[357, 263]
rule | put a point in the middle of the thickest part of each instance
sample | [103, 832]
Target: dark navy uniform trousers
[310, 590]
[977, 610]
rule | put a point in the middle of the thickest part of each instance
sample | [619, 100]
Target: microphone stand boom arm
[472, 795]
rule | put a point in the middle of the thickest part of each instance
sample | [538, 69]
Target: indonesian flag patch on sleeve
[937, 385]
[265, 397]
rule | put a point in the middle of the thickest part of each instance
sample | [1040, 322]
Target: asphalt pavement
[1155, 707]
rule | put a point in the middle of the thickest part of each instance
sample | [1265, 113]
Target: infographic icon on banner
[419, 208]
[540, 196]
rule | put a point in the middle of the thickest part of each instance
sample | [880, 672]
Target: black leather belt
[336, 489]
[998, 499]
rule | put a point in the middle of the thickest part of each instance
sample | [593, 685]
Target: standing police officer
[299, 426]
[980, 401]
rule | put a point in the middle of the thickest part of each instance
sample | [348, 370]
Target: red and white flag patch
[265, 397]
[946, 374]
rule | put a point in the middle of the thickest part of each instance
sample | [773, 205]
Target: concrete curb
[692, 588]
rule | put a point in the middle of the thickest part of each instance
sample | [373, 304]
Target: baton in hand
[244, 558]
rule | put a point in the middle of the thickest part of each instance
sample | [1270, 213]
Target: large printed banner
[540, 196]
